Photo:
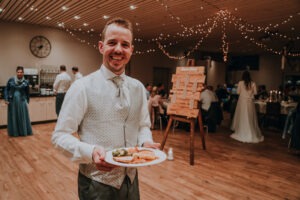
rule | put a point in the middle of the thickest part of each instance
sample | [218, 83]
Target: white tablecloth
[285, 106]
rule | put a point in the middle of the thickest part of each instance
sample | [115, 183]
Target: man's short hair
[20, 68]
[63, 68]
[75, 69]
[120, 22]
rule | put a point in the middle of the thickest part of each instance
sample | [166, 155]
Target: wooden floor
[31, 168]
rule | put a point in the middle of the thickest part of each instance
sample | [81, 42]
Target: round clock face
[40, 46]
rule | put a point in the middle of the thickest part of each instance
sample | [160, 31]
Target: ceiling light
[76, 17]
[85, 24]
[92, 29]
[105, 16]
[48, 18]
[1, 9]
[20, 18]
[64, 8]
[61, 24]
[132, 7]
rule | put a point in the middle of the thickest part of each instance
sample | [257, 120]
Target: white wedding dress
[245, 124]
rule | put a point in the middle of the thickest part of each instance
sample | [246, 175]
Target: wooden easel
[191, 121]
[184, 104]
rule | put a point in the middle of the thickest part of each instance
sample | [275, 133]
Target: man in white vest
[101, 109]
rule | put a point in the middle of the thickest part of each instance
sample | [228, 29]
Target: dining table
[285, 106]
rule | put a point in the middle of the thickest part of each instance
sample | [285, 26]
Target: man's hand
[98, 159]
[151, 145]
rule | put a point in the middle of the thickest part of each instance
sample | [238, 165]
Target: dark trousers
[92, 190]
[59, 101]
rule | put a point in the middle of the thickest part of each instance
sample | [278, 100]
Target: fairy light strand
[203, 31]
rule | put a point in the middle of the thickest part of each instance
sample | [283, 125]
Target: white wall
[269, 72]
[14, 50]
[142, 65]
[215, 73]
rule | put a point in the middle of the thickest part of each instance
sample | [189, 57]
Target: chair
[289, 123]
[214, 116]
[272, 114]
[232, 104]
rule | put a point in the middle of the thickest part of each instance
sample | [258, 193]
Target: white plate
[160, 154]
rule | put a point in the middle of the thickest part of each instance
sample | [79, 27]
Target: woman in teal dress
[16, 95]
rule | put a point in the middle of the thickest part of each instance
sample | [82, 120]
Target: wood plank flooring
[30, 168]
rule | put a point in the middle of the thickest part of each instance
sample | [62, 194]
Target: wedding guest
[221, 93]
[161, 90]
[210, 108]
[207, 97]
[76, 73]
[154, 105]
[148, 90]
[61, 85]
[16, 96]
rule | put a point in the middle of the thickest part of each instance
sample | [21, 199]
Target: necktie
[123, 94]
[118, 81]
[121, 91]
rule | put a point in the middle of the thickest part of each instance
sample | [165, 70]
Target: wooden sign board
[190, 70]
[185, 93]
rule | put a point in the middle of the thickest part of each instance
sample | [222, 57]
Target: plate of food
[135, 157]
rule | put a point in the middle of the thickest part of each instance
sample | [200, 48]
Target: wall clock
[40, 46]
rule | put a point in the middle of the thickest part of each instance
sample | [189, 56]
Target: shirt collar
[108, 75]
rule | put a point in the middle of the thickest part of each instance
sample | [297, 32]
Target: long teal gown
[17, 94]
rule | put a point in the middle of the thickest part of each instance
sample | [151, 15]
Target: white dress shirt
[155, 102]
[91, 108]
[62, 82]
[78, 75]
[206, 98]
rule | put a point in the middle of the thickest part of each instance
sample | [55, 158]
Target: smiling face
[116, 48]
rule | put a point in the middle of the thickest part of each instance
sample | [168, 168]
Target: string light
[162, 47]
[224, 42]
[243, 31]
[243, 28]
[203, 30]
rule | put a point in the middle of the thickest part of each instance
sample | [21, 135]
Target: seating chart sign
[185, 93]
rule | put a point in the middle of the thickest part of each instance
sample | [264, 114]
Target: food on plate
[124, 159]
[133, 155]
[120, 152]
[145, 154]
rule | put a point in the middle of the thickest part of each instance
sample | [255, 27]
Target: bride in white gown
[244, 124]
